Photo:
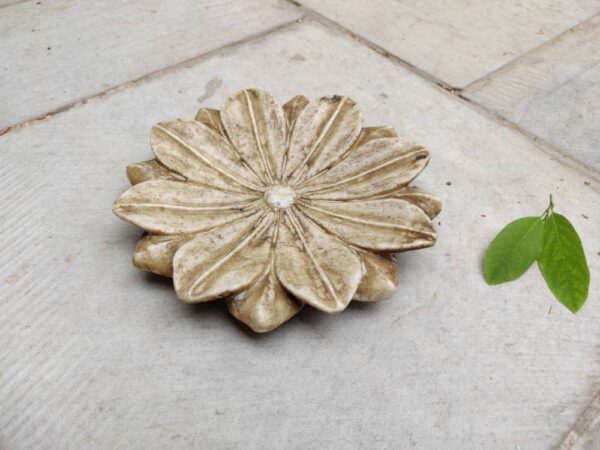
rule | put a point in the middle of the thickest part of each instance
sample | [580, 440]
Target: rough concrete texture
[553, 92]
[96, 354]
[460, 41]
[55, 53]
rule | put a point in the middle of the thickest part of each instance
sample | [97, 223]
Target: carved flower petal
[256, 125]
[370, 133]
[150, 170]
[384, 224]
[265, 305]
[324, 131]
[292, 110]
[367, 134]
[212, 119]
[170, 207]
[314, 266]
[154, 253]
[421, 198]
[224, 260]
[377, 167]
[380, 279]
[200, 154]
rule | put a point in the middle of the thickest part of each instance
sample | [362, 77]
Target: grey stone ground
[95, 354]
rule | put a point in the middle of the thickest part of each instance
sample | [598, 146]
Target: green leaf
[514, 250]
[563, 262]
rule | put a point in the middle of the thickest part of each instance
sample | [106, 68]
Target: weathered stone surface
[57, 52]
[458, 41]
[96, 354]
[553, 92]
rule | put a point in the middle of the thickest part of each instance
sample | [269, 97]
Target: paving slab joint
[151, 75]
[457, 92]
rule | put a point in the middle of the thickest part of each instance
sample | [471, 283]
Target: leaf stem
[549, 210]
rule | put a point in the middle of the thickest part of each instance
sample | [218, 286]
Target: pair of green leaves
[550, 240]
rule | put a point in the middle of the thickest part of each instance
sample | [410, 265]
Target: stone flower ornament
[273, 207]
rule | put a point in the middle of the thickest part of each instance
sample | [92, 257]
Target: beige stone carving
[272, 207]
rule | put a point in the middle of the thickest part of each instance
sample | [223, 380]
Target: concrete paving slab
[57, 52]
[96, 354]
[458, 41]
[9, 2]
[553, 92]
